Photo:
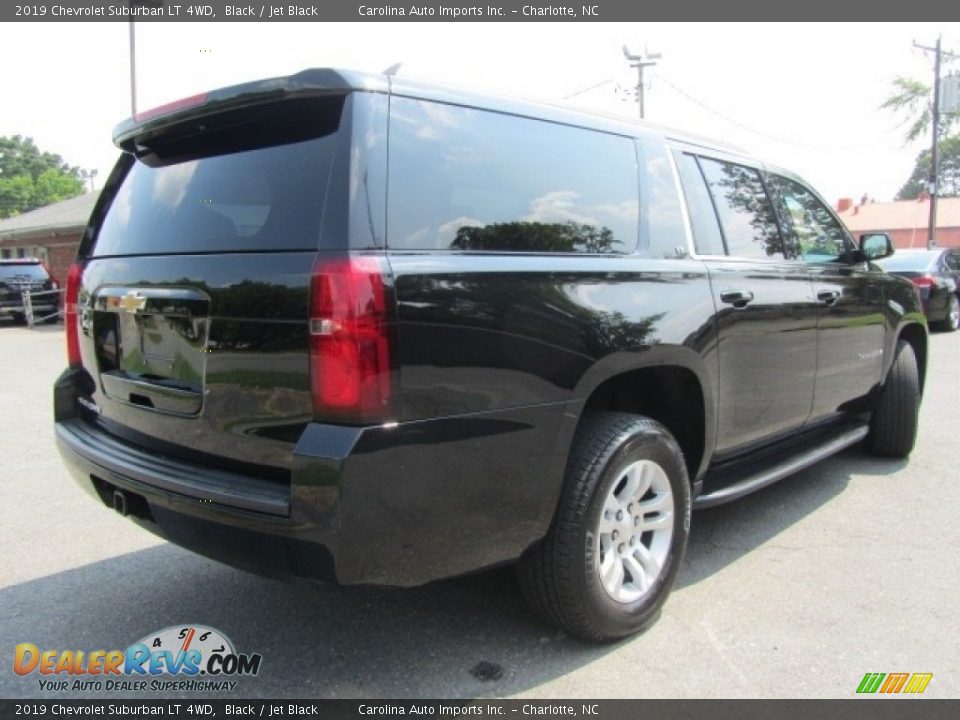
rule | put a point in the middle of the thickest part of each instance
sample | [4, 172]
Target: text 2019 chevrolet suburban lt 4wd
[361, 329]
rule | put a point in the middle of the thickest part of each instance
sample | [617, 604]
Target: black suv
[21, 275]
[360, 329]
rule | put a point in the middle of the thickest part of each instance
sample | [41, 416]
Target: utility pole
[935, 141]
[640, 62]
[133, 70]
[89, 176]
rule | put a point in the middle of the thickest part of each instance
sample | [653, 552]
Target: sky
[803, 96]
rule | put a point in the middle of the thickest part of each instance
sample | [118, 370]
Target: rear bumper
[81, 442]
[240, 525]
[388, 505]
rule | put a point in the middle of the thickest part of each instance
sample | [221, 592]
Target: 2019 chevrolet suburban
[361, 329]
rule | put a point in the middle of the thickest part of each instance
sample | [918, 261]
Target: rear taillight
[924, 281]
[70, 314]
[349, 340]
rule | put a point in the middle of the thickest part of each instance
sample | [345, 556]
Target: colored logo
[892, 683]
[132, 302]
[181, 650]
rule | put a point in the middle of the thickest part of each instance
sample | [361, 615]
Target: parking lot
[849, 567]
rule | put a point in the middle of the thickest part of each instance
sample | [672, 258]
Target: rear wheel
[893, 425]
[615, 547]
[952, 320]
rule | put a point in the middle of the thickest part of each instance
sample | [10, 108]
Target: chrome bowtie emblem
[132, 302]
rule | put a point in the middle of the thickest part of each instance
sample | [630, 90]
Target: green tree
[912, 101]
[949, 171]
[30, 178]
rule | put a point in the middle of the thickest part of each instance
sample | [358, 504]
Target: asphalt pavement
[849, 567]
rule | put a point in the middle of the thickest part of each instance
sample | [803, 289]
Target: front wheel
[620, 532]
[893, 424]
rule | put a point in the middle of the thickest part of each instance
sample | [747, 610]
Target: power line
[586, 89]
[733, 121]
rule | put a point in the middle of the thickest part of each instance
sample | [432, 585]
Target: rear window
[465, 179]
[246, 185]
[22, 271]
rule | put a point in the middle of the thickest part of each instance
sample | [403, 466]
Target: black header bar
[470, 11]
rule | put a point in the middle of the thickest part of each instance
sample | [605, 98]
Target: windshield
[24, 272]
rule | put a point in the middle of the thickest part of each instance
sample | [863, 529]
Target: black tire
[559, 576]
[893, 425]
[952, 319]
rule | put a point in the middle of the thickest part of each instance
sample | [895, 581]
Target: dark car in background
[21, 275]
[936, 274]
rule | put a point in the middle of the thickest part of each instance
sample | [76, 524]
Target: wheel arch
[669, 384]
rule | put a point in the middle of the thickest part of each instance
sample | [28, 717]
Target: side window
[662, 232]
[703, 219]
[820, 236]
[465, 179]
[746, 215]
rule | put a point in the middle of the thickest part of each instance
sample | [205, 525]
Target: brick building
[50, 233]
[906, 221]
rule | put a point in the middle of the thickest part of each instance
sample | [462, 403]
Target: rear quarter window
[466, 179]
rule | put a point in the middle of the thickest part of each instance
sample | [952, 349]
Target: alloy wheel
[634, 531]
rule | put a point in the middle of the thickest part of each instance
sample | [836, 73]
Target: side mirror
[874, 246]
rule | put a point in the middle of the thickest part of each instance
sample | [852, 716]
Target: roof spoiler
[309, 82]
